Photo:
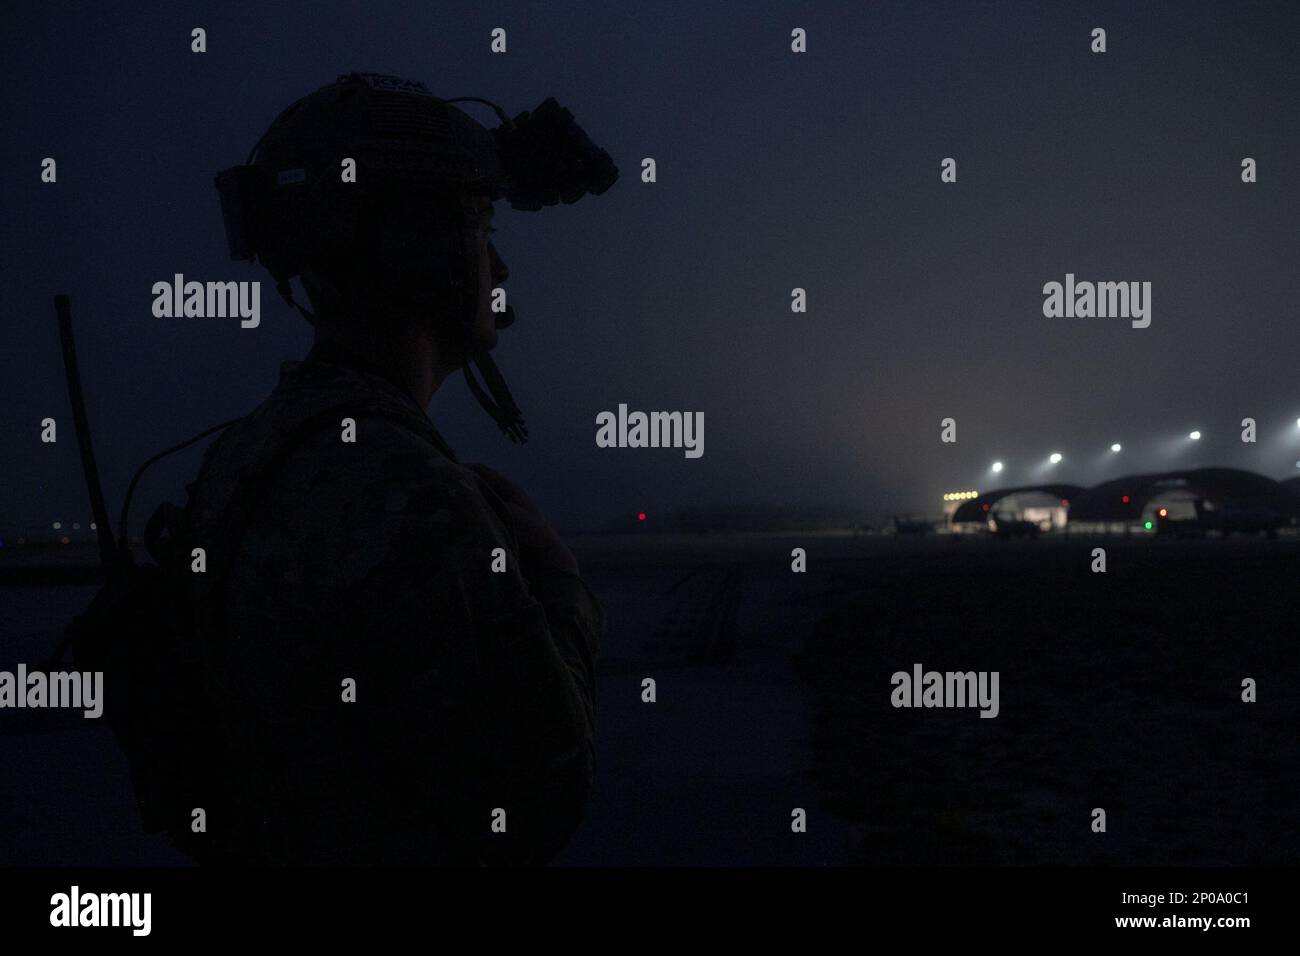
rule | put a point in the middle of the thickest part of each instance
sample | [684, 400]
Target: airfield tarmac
[1119, 690]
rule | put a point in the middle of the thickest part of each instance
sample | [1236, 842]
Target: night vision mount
[399, 223]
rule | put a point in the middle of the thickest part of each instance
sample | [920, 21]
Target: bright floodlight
[997, 466]
[1055, 457]
[1195, 436]
[1115, 447]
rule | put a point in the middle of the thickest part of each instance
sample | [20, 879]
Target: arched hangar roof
[1125, 499]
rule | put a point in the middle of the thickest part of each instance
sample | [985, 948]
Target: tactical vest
[148, 627]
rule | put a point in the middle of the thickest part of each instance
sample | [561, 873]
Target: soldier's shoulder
[374, 451]
[334, 448]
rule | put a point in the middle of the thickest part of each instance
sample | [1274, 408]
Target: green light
[1147, 526]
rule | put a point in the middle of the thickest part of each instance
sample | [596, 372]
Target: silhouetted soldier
[389, 686]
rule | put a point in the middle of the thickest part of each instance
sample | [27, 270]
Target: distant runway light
[1115, 447]
[1195, 436]
[997, 466]
[58, 525]
[1055, 457]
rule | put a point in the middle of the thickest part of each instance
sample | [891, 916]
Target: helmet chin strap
[499, 404]
[496, 398]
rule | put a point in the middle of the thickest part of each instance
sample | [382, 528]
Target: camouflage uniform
[372, 561]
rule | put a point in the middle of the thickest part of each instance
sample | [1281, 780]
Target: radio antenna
[108, 553]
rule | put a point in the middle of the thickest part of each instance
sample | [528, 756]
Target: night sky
[775, 170]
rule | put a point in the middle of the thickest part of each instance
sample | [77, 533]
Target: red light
[986, 507]
[640, 516]
[1065, 502]
[1164, 512]
[1124, 499]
